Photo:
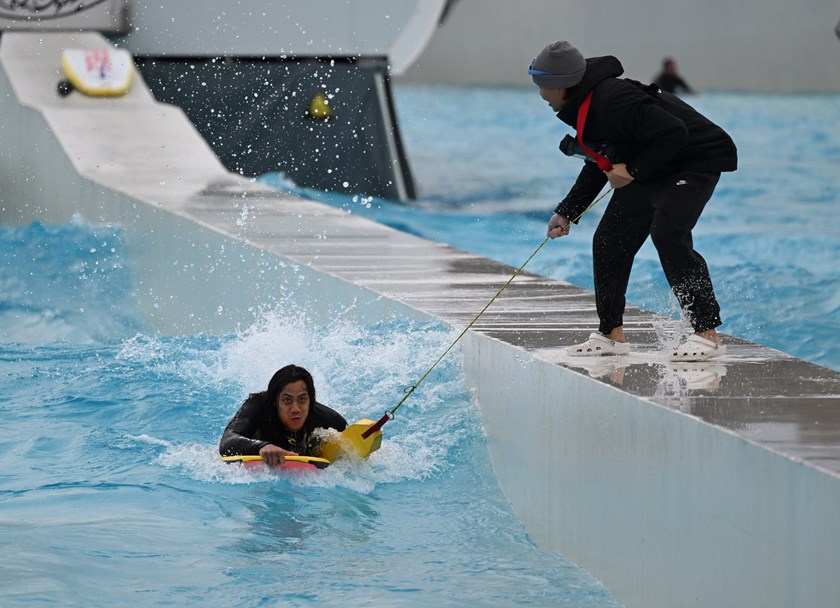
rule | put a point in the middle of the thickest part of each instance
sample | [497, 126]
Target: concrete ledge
[676, 485]
[665, 508]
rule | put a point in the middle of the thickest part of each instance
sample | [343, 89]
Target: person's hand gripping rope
[557, 226]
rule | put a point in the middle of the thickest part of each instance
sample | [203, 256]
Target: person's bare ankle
[617, 335]
[709, 334]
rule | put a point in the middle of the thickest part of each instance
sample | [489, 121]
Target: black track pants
[667, 210]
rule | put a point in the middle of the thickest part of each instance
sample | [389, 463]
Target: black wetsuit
[675, 156]
[672, 83]
[256, 424]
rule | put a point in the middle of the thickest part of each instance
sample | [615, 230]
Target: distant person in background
[280, 420]
[670, 81]
[664, 159]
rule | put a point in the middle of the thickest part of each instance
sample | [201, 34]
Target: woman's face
[293, 405]
[556, 98]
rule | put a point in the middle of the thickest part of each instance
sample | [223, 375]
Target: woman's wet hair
[287, 375]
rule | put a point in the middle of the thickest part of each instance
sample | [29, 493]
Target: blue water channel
[111, 493]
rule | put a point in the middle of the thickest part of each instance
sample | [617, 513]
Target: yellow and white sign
[101, 72]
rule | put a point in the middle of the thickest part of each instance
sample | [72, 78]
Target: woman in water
[280, 421]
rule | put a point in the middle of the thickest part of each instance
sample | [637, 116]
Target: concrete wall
[772, 46]
[257, 28]
[328, 28]
[665, 509]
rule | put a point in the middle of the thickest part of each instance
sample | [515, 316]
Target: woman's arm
[239, 435]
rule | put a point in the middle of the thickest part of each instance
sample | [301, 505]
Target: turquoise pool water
[111, 493]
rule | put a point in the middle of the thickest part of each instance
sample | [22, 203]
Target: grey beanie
[558, 66]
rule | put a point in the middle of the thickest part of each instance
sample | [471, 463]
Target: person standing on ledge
[670, 81]
[665, 160]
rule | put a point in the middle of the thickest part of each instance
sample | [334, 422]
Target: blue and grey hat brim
[558, 81]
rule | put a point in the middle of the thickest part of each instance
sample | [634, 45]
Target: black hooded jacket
[256, 424]
[655, 133]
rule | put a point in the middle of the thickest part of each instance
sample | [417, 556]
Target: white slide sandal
[695, 348]
[598, 345]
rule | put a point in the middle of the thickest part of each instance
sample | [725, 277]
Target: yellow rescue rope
[389, 415]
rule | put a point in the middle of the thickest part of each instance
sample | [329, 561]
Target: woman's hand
[557, 226]
[618, 176]
[274, 456]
